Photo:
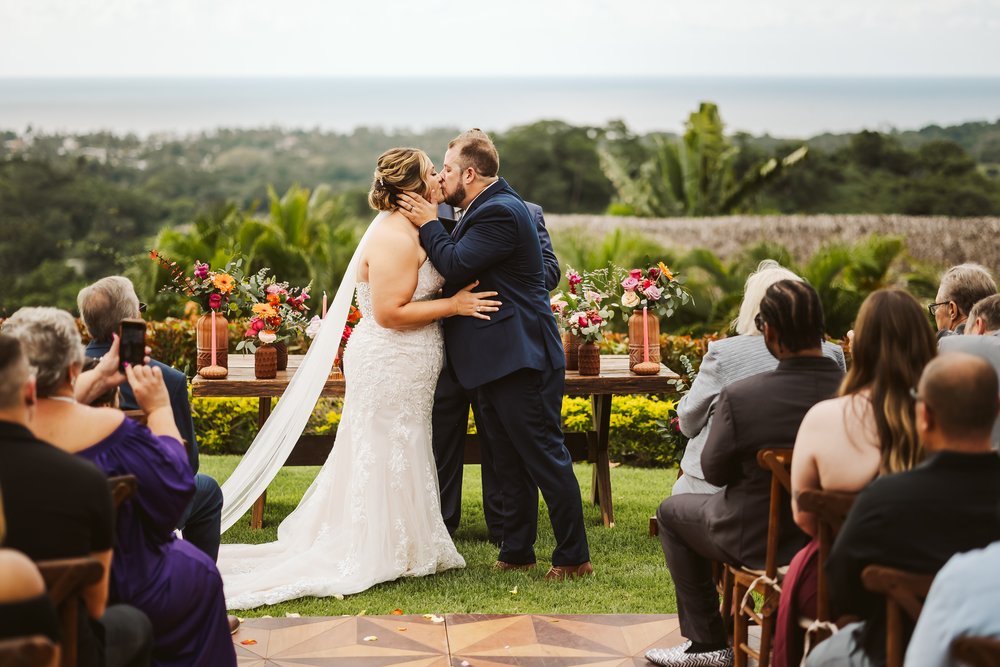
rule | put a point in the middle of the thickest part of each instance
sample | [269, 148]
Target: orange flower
[264, 310]
[665, 270]
[273, 299]
[224, 282]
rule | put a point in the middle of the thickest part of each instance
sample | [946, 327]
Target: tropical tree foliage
[693, 176]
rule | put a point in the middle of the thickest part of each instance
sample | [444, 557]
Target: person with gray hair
[176, 585]
[982, 338]
[961, 287]
[729, 360]
[103, 305]
[44, 486]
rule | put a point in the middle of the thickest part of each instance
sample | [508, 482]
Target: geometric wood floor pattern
[462, 640]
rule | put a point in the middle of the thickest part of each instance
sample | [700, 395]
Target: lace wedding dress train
[373, 512]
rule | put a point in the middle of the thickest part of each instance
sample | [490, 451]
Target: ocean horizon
[792, 107]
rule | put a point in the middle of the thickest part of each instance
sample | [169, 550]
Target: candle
[213, 339]
[645, 336]
[324, 305]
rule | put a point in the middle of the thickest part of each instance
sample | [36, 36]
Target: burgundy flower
[214, 300]
[654, 273]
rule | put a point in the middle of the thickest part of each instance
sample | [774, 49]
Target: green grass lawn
[631, 577]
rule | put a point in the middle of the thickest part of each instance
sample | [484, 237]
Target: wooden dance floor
[457, 640]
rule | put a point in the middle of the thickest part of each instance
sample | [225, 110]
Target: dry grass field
[937, 240]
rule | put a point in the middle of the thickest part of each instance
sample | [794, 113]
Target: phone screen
[132, 346]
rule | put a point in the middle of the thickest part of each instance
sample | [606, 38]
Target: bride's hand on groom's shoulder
[417, 210]
[474, 304]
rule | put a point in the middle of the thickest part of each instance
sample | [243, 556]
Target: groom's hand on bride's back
[417, 210]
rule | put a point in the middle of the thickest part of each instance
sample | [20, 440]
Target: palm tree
[694, 176]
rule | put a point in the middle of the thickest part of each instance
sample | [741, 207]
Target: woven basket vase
[590, 359]
[265, 362]
[571, 345]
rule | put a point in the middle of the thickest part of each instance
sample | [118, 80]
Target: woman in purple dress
[177, 586]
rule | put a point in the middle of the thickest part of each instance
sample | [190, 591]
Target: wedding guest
[451, 412]
[25, 609]
[755, 413]
[58, 506]
[917, 520]
[177, 585]
[726, 361]
[843, 443]
[982, 338]
[962, 602]
[961, 287]
[103, 306]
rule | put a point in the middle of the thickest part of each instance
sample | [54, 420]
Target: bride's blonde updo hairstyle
[398, 170]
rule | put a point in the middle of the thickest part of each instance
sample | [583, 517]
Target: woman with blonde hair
[868, 430]
[373, 513]
[728, 360]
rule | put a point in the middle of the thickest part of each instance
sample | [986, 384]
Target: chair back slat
[976, 651]
[65, 581]
[831, 509]
[779, 462]
[122, 488]
[904, 592]
[33, 651]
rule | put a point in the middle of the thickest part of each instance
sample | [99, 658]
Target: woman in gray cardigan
[728, 360]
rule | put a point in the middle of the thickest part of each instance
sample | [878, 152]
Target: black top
[29, 617]
[57, 506]
[913, 521]
[755, 413]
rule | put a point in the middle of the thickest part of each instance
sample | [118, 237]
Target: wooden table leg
[601, 488]
[257, 513]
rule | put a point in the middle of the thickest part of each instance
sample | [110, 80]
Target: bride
[373, 512]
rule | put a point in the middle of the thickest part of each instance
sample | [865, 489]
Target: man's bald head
[961, 394]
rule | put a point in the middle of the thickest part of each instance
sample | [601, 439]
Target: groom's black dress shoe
[508, 567]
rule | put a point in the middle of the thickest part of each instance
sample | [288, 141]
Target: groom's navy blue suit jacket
[496, 242]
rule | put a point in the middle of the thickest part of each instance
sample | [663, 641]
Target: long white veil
[275, 441]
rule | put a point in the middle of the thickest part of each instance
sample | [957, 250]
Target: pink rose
[214, 300]
[581, 320]
[630, 284]
[595, 318]
[257, 325]
[200, 270]
[653, 293]
[635, 273]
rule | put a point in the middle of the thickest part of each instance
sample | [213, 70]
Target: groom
[515, 359]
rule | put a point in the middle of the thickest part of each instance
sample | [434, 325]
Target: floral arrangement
[656, 288]
[353, 317]
[277, 311]
[213, 290]
[583, 310]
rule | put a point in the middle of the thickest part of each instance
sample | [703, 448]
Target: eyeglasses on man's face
[759, 322]
[932, 308]
[142, 307]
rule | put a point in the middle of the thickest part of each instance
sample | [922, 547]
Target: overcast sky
[503, 38]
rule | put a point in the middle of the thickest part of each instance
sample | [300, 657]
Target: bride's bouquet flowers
[656, 288]
[278, 312]
[213, 290]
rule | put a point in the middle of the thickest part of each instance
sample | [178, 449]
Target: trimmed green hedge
[228, 425]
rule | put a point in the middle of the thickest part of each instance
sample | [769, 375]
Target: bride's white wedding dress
[373, 513]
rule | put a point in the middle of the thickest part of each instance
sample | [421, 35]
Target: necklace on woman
[64, 399]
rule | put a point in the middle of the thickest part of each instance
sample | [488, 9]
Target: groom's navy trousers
[451, 415]
[515, 361]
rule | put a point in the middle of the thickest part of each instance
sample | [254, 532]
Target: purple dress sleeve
[166, 483]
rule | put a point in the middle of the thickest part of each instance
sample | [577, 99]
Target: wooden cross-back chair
[33, 651]
[767, 581]
[122, 488]
[976, 651]
[904, 593]
[831, 509]
[65, 581]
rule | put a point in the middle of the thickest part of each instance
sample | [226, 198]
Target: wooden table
[590, 446]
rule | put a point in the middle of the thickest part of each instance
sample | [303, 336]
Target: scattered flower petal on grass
[292, 614]
[396, 612]
[513, 591]
[248, 642]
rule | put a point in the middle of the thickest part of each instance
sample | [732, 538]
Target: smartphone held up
[132, 343]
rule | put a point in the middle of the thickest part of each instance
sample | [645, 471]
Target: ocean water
[783, 107]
